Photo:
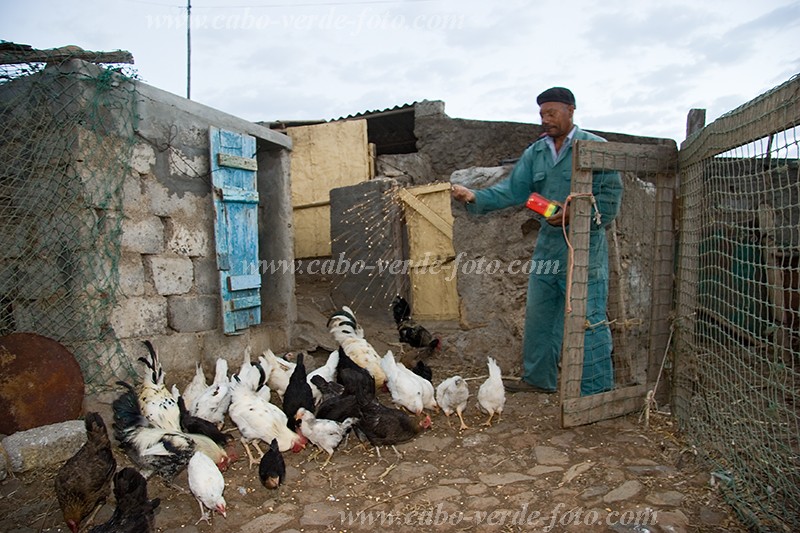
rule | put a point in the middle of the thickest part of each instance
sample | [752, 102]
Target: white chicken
[452, 395]
[155, 401]
[207, 484]
[326, 434]
[350, 336]
[195, 387]
[258, 419]
[278, 371]
[492, 394]
[213, 402]
[408, 390]
[326, 371]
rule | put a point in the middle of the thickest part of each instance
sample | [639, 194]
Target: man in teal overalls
[546, 168]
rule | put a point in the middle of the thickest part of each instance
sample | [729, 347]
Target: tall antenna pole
[188, 49]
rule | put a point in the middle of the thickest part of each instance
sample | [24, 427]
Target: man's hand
[560, 218]
[462, 194]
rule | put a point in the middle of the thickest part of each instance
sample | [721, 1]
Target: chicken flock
[165, 431]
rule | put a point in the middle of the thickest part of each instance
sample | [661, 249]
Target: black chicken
[84, 481]
[354, 378]
[336, 404]
[386, 426]
[134, 512]
[298, 394]
[409, 331]
[272, 469]
[194, 424]
[423, 370]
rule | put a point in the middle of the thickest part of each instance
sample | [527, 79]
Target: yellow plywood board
[430, 223]
[434, 295]
[324, 157]
[327, 156]
[312, 227]
[430, 237]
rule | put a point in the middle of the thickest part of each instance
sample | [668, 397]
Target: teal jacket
[536, 171]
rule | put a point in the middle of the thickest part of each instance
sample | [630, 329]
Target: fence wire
[66, 137]
[737, 366]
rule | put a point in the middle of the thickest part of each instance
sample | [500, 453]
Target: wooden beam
[588, 409]
[572, 349]
[774, 111]
[429, 214]
[663, 277]
[58, 55]
[626, 157]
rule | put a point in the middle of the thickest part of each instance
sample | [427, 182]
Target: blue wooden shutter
[233, 178]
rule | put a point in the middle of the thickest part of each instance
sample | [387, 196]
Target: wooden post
[695, 120]
[575, 308]
[663, 276]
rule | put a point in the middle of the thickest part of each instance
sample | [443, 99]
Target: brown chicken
[84, 481]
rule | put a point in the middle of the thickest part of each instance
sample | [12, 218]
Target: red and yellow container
[543, 206]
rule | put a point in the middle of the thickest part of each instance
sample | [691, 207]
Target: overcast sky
[635, 66]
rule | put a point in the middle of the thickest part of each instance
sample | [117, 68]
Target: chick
[452, 395]
[492, 394]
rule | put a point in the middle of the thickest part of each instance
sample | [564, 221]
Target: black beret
[556, 94]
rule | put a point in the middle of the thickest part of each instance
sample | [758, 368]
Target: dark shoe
[524, 386]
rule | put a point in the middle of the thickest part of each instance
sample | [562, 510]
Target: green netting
[66, 137]
[737, 367]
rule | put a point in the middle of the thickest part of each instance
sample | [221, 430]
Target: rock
[709, 517]
[456, 481]
[483, 503]
[504, 479]
[542, 469]
[475, 440]
[593, 492]
[626, 491]
[652, 470]
[321, 514]
[669, 498]
[477, 488]
[437, 494]
[545, 455]
[44, 446]
[3, 464]
[673, 522]
[266, 523]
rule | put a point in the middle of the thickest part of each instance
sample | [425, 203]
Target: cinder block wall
[169, 283]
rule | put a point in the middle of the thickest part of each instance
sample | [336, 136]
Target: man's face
[556, 118]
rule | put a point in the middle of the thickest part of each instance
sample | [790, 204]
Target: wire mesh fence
[66, 136]
[619, 303]
[737, 365]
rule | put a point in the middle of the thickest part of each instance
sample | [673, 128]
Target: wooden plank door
[429, 221]
[233, 177]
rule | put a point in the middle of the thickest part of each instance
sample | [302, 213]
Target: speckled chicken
[326, 434]
[84, 481]
[155, 401]
[153, 450]
[350, 336]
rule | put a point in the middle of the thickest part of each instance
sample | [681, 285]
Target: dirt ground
[524, 473]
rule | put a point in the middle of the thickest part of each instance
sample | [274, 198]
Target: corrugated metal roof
[377, 112]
